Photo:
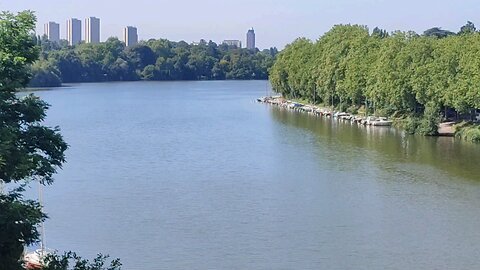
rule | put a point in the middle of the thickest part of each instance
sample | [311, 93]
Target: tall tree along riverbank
[150, 60]
[402, 74]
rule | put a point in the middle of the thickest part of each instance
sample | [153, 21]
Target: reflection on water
[454, 157]
[195, 175]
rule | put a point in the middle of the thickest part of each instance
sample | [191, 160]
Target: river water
[195, 175]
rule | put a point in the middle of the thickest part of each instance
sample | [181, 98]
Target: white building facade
[130, 36]
[92, 30]
[74, 31]
[52, 31]
[251, 39]
[233, 42]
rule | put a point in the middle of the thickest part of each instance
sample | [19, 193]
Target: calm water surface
[195, 175]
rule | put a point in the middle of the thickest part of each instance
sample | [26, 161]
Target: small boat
[307, 109]
[356, 119]
[382, 122]
[340, 114]
[294, 105]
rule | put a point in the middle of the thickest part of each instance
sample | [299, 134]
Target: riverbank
[468, 131]
[326, 112]
[464, 130]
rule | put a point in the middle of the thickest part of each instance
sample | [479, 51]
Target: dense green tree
[437, 32]
[149, 73]
[468, 28]
[45, 74]
[71, 261]
[29, 151]
[68, 63]
[112, 61]
[140, 56]
[377, 32]
[401, 74]
[18, 221]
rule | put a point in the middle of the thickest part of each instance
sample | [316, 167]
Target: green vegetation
[29, 151]
[71, 261]
[468, 131]
[420, 78]
[151, 60]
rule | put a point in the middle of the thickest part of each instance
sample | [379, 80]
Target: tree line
[401, 73]
[155, 59]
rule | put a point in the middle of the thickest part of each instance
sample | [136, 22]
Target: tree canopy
[154, 59]
[400, 73]
[29, 151]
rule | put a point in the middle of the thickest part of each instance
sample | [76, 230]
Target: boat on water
[381, 122]
[376, 121]
[308, 108]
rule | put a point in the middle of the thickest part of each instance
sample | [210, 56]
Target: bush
[411, 124]
[473, 135]
[352, 109]
[71, 261]
[45, 78]
[44, 75]
[468, 132]
[428, 125]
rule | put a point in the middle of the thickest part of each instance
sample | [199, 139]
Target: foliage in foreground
[71, 261]
[18, 221]
[29, 151]
[402, 74]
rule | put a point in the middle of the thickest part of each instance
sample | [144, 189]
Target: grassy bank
[428, 124]
[468, 131]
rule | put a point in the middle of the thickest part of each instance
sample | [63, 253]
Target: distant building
[251, 39]
[233, 42]
[52, 31]
[92, 30]
[74, 31]
[130, 36]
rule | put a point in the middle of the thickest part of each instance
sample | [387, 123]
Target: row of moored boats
[311, 109]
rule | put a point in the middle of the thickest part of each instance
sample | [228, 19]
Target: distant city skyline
[92, 31]
[276, 22]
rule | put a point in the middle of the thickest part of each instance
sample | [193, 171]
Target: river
[196, 175]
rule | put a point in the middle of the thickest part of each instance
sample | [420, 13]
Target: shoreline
[446, 129]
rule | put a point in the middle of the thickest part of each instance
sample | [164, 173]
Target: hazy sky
[276, 22]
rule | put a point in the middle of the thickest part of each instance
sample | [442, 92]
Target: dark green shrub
[428, 125]
[411, 124]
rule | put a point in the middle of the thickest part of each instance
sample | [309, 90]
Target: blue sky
[276, 22]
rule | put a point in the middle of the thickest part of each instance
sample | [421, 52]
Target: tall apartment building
[251, 39]
[92, 30]
[233, 42]
[130, 36]
[74, 31]
[52, 31]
